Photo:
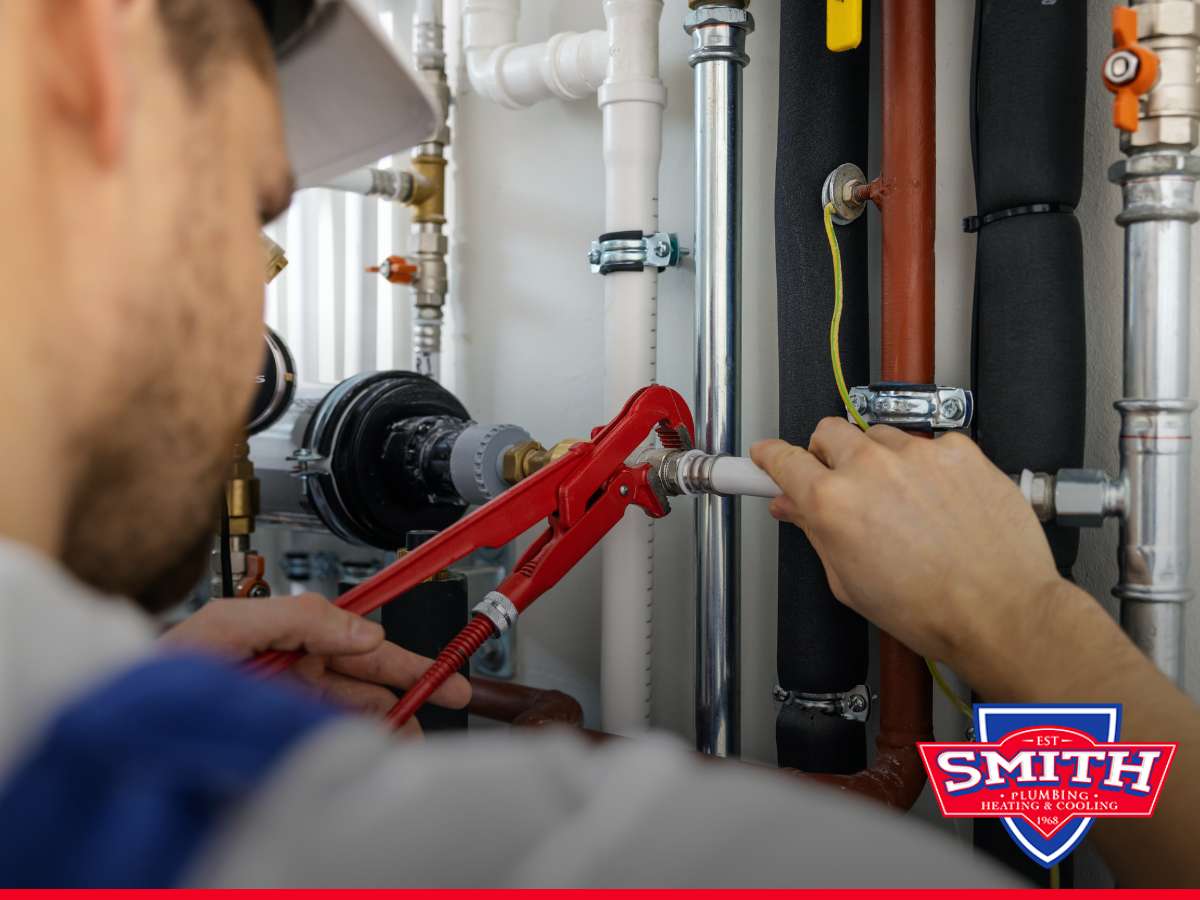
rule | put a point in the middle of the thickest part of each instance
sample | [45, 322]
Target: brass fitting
[242, 493]
[525, 459]
[422, 190]
[444, 575]
[429, 194]
[276, 258]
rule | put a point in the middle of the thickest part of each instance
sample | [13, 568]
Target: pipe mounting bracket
[915, 407]
[853, 705]
[633, 251]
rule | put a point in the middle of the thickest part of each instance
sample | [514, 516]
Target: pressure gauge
[276, 385]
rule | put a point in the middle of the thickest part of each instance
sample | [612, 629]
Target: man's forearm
[1067, 649]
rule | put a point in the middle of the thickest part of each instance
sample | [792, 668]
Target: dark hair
[202, 34]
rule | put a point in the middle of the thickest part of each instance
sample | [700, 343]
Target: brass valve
[528, 458]
[276, 259]
[242, 493]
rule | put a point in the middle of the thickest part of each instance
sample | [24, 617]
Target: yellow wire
[944, 686]
[835, 327]
[836, 355]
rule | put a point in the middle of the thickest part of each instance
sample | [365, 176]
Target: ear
[86, 71]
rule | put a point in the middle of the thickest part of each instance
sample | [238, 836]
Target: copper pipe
[897, 776]
[905, 195]
[504, 701]
[909, 172]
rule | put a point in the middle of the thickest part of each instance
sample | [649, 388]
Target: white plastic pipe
[569, 66]
[360, 181]
[632, 99]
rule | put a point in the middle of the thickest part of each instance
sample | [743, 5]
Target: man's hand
[348, 661]
[926, 538]
[934, 544]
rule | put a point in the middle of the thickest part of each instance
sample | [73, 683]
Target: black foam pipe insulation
[824, 105]
[425, 620]
[1029, 84]
[1029, 360]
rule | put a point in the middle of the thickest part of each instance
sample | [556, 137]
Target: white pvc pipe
[360, 181]
[632, 99]
[737, 476]
[569, 66]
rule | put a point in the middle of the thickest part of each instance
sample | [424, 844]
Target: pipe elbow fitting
[568, 66]
[485, 66]
[574, 65]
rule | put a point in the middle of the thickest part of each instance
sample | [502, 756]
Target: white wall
[528, 314]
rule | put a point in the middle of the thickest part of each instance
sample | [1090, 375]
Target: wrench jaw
[678, 437]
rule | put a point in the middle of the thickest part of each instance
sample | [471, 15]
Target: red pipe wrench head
[656, 408]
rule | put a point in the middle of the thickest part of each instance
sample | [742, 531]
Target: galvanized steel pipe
[1156, 410]
[1158, 184]
[718, 57]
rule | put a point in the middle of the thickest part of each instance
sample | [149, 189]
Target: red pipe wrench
[582, 496]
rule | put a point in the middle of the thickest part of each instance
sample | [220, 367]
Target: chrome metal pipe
[1159, 210]
[430, 247]
[717, 59]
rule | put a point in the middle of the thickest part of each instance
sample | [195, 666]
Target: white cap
[349, 97]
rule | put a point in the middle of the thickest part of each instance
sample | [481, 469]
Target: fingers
[394, 666]
[835, 441]
[369, 699]
[245, 626]
[793, 468]
[311, 623]
[892, 438]
[410, 730]
[784, 509]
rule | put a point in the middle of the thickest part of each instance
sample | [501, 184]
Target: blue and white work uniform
[123, 765]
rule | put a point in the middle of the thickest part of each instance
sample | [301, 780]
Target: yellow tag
[843, 24]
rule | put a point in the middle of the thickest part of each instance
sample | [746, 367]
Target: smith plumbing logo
[1049, 772]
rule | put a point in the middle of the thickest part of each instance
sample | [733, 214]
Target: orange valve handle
[396, 269]
[1130, 70]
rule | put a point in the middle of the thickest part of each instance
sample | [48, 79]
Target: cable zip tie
[972, 224]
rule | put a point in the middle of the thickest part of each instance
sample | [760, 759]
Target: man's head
[143, 152]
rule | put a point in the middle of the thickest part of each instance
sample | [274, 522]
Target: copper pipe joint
[524, 707]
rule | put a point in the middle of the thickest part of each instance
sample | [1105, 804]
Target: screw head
[623, 490]
[1121, 67]
[662, 248]
[594, 256]
[779, 694]
[857, 703]
[951, 408]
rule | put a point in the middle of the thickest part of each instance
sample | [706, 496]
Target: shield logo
[994, 722]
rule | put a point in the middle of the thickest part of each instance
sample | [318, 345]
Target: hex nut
[706, 16]
[430, 242]
[1169, 18]
[1122, 67]
[1080, 498]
